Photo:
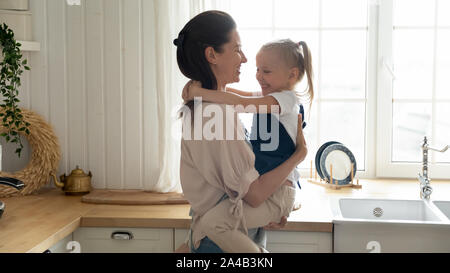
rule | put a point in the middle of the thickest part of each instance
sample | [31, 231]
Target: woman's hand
[279, 225]
[300, 150]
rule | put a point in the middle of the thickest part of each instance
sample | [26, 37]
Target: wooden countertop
[36, 222]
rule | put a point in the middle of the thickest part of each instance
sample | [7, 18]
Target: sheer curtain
[168, 19]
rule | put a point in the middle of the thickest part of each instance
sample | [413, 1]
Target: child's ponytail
[305, 64]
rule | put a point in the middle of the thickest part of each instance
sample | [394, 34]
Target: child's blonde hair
[296, 55]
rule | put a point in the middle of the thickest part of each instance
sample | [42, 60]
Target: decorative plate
[342, 159]
[319, 153]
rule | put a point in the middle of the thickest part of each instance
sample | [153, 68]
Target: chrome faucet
[8, 181]
[425, 187]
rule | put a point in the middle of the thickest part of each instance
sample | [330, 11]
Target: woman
[209, 51]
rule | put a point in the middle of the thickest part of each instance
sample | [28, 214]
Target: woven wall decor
[45, 156]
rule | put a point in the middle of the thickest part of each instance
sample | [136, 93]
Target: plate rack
[331, 184]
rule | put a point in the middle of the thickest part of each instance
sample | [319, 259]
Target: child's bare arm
[240, 92]
[250, 104]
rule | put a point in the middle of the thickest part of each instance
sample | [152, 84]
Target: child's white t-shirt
[289, 110]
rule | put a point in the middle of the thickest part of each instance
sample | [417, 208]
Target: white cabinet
[299, 242]
[180, 236]
[19, 22]
[285, 241]
[124, 240]
[14, 4]
[148, 240]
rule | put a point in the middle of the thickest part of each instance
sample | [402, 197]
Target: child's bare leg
[183, 248]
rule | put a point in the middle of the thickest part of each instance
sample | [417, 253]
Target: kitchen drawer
[299, 242]
[142, 240]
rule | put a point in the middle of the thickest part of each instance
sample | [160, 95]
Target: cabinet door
[124, 240]
[180, 237]
[299, 242]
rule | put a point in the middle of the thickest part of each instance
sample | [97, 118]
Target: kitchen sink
[444, 207]
[380, 210]
[389, 225]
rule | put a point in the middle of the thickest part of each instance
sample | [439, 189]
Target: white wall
[91, 80]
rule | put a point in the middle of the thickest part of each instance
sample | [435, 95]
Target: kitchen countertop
[36, 222]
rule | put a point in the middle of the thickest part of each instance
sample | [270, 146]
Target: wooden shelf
[29, 46]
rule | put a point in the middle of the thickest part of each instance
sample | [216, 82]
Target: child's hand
[191, 90]
[194, 90]
[185, 94]
[280, 225]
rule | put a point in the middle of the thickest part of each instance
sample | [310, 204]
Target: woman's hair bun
[179, 41]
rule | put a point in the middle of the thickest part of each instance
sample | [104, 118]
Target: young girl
[281, 65]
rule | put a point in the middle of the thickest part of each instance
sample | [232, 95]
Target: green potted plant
[11, 118]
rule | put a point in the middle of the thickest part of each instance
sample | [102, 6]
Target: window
[414, 86]
[337, 34]
[381, 75]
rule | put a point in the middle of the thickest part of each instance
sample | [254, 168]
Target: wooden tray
[133, 197]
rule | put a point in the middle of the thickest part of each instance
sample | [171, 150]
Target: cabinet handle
[122, 235]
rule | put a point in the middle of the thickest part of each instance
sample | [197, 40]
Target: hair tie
[300, 46]
[179, 41]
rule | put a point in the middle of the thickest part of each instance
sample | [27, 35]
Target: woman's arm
[257, 104]
[269, 182]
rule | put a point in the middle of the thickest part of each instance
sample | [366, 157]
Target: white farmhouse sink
[384, 225]
[444, 207]
[416, 211]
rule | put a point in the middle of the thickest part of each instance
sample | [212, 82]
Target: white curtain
[169, 18]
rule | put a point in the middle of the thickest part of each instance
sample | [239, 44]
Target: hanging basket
[45, 156]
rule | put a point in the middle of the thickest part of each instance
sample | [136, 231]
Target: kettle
[77, 183]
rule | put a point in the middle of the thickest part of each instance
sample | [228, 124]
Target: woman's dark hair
[210, 28]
